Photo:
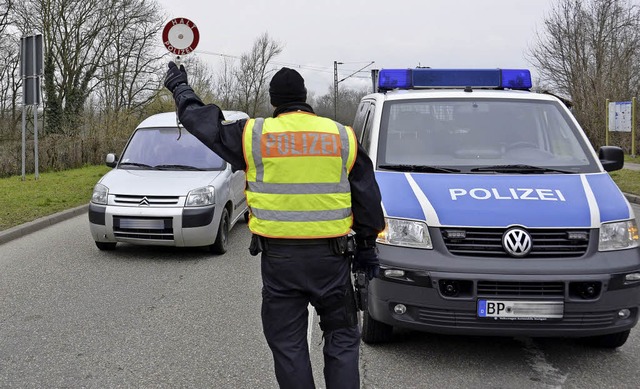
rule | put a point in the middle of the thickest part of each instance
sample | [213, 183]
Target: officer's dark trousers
[293, 277]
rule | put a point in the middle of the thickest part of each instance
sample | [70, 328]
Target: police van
[501, 219]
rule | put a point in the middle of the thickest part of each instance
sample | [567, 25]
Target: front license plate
[520, 310]
[142, 224]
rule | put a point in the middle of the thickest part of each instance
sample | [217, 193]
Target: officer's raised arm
[205, 121]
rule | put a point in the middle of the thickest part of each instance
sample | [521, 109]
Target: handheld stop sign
[180, 36]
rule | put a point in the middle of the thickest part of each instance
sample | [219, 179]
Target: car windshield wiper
[135, 164]
[519, 168]
[178, 167]
[420, 168]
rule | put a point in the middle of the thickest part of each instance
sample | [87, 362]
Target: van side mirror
[111, 160]
[611, 157]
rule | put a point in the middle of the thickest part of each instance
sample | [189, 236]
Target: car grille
[469, 319]
[152, 201]
[511, 289]
[147, 228]
[487, 242]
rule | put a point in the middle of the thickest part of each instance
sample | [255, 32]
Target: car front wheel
[222, 239]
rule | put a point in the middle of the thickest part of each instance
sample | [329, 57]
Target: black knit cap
[287, 86]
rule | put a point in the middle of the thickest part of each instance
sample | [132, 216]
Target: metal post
[335, 89]
[633, 127]
[24, 101]
[606, 126]
[35, 106]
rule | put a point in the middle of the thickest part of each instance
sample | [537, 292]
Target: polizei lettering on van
[508, 194]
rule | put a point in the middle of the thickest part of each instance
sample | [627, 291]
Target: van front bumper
[436, 296]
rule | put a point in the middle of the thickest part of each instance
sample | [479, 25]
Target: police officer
[309, 183]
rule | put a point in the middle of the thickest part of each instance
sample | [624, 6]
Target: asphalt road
[72, 316]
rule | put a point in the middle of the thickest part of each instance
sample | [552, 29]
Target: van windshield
[483, 135]
[164, 149]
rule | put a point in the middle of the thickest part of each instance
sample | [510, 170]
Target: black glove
[175, 77]
[366, 260]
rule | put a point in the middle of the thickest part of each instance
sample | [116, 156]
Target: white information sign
[620, 113]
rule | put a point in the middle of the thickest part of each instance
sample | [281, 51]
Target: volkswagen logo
[144, 201]
[517, 242]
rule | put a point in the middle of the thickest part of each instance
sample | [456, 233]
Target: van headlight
[200, 197]
[407, 233]
[100, 194]
[618, 236]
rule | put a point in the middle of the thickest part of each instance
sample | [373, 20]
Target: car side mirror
[611, 158]
[111, 160]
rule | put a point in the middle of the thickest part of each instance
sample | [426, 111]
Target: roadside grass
[627, 158]
[24, 201]
[628, 180]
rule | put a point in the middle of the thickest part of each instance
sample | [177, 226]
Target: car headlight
[408, 233]
[618, 236]
[200, 197]
[100, 194]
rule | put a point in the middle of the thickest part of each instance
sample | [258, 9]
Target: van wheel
[106, 246]
[222, 239]
[374, 331]
[610, 340]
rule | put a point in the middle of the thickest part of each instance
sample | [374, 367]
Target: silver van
[167, 189]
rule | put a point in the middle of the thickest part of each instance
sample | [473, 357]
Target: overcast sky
[393, 33]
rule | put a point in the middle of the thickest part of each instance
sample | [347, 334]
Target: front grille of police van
[145, 228]
[487, 242]
[151, 201]
[517, 289]
[469, 319]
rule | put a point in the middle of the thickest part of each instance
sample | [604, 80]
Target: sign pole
[36, 97]
[633, 127]
[24, 113]
[606, 127]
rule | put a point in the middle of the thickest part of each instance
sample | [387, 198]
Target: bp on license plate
[520, 310]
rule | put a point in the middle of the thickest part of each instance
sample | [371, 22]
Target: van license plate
[520, 310]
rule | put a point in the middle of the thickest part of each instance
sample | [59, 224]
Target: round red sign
[180, 36]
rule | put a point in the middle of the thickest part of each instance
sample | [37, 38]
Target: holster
[360, 285]
[257, 245]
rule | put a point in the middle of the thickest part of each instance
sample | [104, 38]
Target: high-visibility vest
[297, 176]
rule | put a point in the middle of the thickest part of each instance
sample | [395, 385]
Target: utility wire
[320, 69]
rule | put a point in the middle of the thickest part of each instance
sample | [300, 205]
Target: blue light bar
[454, 78]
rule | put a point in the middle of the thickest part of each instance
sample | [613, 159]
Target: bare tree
[252, 76]
[129, 79]
[589, 51]
[9, 73]
[349, 101]
[226, 87]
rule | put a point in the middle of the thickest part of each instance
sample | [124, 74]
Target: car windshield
[484, 135]
[166, 149]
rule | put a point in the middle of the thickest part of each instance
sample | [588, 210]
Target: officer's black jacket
[207, 123]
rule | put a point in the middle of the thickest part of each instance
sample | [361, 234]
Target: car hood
[156, 182]
[466, 200]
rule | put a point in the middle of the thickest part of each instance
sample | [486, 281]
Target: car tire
[222, 239]
[246, 217]
[374, 331]
[106, 246]
[609, 341]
